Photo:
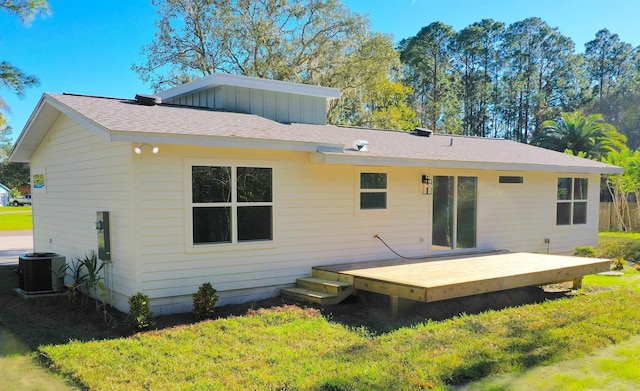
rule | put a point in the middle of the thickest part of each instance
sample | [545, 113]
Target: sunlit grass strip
[297, 349]
[612, 368]
[15, 219]
[618, 236]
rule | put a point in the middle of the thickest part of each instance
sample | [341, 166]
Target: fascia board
[332, 158]
[39, 124]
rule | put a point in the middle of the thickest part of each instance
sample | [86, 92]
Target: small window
[231, 204]
[571, 207]
[510, 179]
[373, 190]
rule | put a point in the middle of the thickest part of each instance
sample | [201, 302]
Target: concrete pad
[13, 244]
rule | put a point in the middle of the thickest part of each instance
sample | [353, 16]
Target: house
[240, 182]
[5, 193]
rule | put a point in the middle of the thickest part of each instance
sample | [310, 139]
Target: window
[373, 190]
[510, 179]
[572, 201]
[231, 204]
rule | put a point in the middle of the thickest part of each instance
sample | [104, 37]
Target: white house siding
[85, 173]
[316, 222]
[277, 106]
[519, 217]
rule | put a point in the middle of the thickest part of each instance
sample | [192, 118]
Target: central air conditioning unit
[41, 273]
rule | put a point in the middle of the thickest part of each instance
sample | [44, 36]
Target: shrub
[204, 301]
[632, 251]
[612, 249]
[140, 316]
[627, 249]
[585, 251]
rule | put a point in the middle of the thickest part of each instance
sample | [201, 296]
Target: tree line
[488, 79]
[495, 80]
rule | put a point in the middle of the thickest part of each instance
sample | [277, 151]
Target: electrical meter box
[104, 240]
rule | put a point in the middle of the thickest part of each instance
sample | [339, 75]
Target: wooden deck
[444, 278]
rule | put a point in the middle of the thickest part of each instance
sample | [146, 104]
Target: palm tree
[580, 136]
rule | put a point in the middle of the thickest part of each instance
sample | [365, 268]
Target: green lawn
[15, 218]
[295, 349]
[602, 236]
[586, 341]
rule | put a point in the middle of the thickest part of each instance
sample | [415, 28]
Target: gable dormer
[276, 100]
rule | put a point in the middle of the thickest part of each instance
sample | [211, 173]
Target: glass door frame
[453, 215]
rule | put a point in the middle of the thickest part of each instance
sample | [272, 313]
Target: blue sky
[87, 47]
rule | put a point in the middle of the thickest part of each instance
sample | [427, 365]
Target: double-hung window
[231, 204]
[373, 190]
[571, 201]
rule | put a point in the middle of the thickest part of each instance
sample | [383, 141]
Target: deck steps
[319, 290]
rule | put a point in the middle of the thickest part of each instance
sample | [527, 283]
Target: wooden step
[323, 285]
[328, 275]
[303, 294]
[319, 291]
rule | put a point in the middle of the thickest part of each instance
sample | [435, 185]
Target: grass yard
[15, 218]
[587, 340]
[618, 236]
[290, 348]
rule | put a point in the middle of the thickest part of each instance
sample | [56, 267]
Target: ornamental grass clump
[618, 264]
[140, 316]
[204, 301]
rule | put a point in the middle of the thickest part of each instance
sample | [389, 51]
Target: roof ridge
[93, 96]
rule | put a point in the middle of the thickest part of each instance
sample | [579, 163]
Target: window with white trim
[231, 204]
[373, 190]
[572, 201]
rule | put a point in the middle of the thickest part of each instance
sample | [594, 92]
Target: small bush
[627, 249]
[204, 301]
[585, 251]
[140, 316]
[632, 251]
[612, 249]
[618, 264]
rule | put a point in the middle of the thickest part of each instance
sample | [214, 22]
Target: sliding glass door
[454, 212]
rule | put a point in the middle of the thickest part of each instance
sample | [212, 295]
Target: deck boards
[457, 276]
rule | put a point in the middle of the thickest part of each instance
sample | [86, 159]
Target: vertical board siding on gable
[277, 106]
[243, 100]
[270, 105]
[257, 102]
[84, 173]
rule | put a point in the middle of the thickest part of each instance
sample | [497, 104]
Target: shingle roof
[126, 120]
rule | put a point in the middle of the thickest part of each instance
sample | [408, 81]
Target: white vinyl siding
[84, 174]
[314, 224]
[519, 217]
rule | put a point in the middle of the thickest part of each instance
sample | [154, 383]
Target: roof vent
[361, 145]
[423, 132]
[148, 100]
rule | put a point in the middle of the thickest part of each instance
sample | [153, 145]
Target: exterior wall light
[426, 185]
[138, 149]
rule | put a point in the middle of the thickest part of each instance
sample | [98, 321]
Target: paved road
[13, 244]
